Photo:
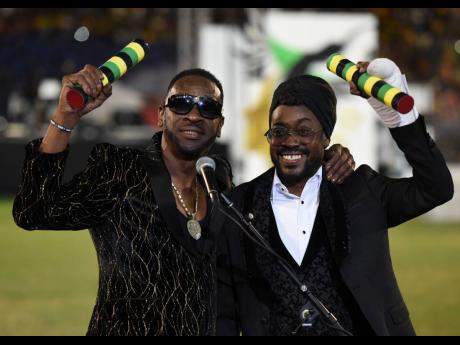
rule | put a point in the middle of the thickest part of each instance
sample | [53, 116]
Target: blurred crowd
[36, 44]
[39, 44]
[426, 45]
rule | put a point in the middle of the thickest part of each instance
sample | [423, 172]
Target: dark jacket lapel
[332, 211]
[160, 181]
[258, 203]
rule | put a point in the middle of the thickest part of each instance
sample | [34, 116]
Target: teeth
[292, 157]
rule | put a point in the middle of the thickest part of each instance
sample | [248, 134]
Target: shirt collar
[279, 189]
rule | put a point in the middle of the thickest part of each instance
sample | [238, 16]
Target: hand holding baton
[370, 85]
[113, 69]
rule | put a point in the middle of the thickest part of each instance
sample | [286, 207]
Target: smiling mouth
[192, 133]
[291, 158]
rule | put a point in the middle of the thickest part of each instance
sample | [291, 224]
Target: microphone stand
[308, 313]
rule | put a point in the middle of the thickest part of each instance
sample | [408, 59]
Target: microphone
[205, 166]
[113, 69]
[370, 85]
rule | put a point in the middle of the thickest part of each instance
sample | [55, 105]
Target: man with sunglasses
[152, 225]
[332, 238]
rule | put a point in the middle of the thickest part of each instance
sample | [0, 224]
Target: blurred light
[457, 47]
[81, 34]
[3, 124]
[49, 89]
[7, 11]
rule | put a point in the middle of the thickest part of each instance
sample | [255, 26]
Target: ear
[219, 128]
[161, 115]
[326, 141]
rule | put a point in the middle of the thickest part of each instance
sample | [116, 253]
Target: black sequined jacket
[357, 215]
[153, 278]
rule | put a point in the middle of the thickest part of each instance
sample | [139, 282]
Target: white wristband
[60, 127]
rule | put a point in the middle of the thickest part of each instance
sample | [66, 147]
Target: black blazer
[365, 206]
[153, 278]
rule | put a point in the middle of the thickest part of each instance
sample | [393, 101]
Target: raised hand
[89, 79]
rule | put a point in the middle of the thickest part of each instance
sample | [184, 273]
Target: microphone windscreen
[205, 162]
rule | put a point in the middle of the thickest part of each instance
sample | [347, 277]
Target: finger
[101, 98]
[90, 85]
[93, 76]
[362, 66]
[99, 76]
[350, 168]
[331, 155]
[342, 160]
[331, 166]
[107, 91]
[351, 162]
[355, 91]
[352, 85]
[342, 173]
[365, 65]
[82, 80]
[68, 81]
[333, 174]
[353, 88]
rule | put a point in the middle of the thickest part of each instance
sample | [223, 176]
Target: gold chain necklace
[193, 226]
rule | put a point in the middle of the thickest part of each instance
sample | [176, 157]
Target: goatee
[189, 153]
[310, 168]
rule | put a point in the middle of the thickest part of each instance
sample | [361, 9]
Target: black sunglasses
[183, 104]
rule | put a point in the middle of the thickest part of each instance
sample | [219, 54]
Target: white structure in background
[123, 98]
[230, 52]
[218, 45]
[358, 37]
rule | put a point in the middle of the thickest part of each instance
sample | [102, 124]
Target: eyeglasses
[278, 134]
[183, 104]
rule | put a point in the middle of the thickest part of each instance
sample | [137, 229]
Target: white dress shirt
[295, 216]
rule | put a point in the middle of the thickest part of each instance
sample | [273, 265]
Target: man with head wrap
[334, 238]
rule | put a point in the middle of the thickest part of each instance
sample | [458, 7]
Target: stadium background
[48, 280]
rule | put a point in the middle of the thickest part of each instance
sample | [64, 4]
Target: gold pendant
[194, 228]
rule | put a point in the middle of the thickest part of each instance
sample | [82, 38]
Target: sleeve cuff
[33, 151]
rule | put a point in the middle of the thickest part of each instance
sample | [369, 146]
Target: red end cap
[405, 104]
[76, 99]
